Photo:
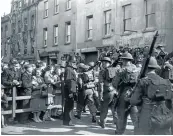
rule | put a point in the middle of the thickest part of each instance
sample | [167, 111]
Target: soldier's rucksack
[159, 88]
[160, 92]
[110, 73]
[88, 76]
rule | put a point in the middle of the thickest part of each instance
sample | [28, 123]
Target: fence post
[14, 102]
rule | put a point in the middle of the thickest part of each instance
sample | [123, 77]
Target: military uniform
[153, 95]
[124, 81]
[107, 95]
[69, 91]
[87, 93]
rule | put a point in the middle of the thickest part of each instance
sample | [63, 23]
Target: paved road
[82, 127]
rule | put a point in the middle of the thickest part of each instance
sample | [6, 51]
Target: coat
[26, 83]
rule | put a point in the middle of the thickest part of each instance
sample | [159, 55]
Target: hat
[13, 61]
[127, 56]
[153, 63]
[107, 59]
[91, 64]
[28, 66]
[160, 45]
[63, 64]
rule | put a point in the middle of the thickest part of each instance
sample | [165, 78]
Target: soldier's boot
[94, 119]
[102, 124]
[92, 109]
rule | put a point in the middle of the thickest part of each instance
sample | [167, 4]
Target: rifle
[144, 67]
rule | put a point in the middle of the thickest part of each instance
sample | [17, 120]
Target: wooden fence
[15, 98]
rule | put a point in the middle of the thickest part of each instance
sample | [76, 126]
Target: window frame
[67, 4]
[46, 9]
[107, 23]
[45, 36]
[32, 21]
[89, 29]
[147, 15]
[5, 50]
[124, 17]
[67, 35]
[19, 26]
[54, 34]
[56, 6]
[6, 30]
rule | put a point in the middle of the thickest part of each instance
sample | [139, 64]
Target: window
[25, 50]
[89, 27]
[5, 50]
[32, 21]
[25, 24]
[13, 28]
[68, 32]
[20, 4]
[45, 36]
[68, 4]
[19, 26]
[56, 35]
[46, 9]
[1, 31]
[107, 26]
[127, 17]
[150, 13]
[6, 30]
[56, 6]
[88, 1]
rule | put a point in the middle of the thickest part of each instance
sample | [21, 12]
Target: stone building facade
[56, 33]
[53, 29]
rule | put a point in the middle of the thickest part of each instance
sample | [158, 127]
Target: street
[82, 127]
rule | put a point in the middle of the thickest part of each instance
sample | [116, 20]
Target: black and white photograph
[86, 67]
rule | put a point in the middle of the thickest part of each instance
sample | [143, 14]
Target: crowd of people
[111, 82]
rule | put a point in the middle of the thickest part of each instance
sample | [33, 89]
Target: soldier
[153, 95]
[70, 79]
[107, 92]
[26, 91]
[124, 81]
[87, 92]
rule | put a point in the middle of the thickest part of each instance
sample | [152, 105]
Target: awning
[44, 54]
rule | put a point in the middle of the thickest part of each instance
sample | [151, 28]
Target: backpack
[161, 116]
[110, 73]
[88, 76]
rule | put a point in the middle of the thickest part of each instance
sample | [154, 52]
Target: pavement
[82, 127]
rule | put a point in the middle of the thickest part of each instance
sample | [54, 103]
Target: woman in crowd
[37, 101]
[50, 81]
[57, 91]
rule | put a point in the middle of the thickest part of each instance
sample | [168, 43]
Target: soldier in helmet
[124, 80]
[88, 89]
[106, 91]
[70, 80]
[153, 95]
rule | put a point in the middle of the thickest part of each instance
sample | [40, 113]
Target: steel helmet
[153, 63]
[127, 56]
[91, 64]
[106, 59]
